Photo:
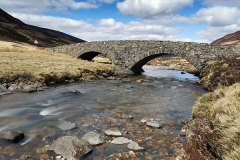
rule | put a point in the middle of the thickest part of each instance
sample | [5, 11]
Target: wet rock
[12, 136]
[14, 88]
[3, 88]
[143, 121]
[129, 87]
[111, 78]
[70, 147]
[132, 154]
[65, 125]
[127, 116]
[72, 92]
[183, 73]
[183, 132]
[105, 74]
[153, 124]
[29, 88]
[93, 138]
[134, 146]
[121, 140]
[126, 81]
[140, 81]
[25, 157]
[113, 132]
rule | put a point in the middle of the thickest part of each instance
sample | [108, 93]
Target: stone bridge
[130, 56]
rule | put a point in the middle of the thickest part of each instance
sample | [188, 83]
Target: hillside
[12, 29]
[230, 39]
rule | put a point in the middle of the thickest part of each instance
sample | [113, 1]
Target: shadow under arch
[137, 67]
[89, 55]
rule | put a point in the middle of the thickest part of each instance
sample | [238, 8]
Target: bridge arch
[89, 55]
[137, 68]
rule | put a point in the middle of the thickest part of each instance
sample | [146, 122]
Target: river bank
[213, 131]
[25, 68]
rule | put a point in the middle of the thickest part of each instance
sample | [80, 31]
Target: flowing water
[166, 96]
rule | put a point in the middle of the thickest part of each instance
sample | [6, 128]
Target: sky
[98, 20]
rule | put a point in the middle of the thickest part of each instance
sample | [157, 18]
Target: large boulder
[70, 147]
[12, 136]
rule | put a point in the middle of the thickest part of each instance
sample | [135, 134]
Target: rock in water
[12, 136]
[14, 88]
[29, 88]
[3, 89]
[113, 132]
[121, 140]
[70, 147]
[134, 146]
[65, 125]
[93, 138]
[153, 124]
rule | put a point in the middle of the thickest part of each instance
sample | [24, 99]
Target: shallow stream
[166, 96]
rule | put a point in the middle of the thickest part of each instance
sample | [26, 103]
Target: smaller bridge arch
[89, 55]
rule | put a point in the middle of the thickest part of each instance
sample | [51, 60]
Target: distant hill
[12, 29]
[230, 39]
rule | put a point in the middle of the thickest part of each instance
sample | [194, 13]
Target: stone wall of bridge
[130, 56]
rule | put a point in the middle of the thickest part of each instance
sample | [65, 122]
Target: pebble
[111, 78]
[71, 147]
[12, 136]
[66, 126]
[139, 81]
[132, 154]
[183, 132]
[113, 132]
[134, 146]
[3, 89]
[29, 88]
[153, 124]
[93, 138]
[121, 140]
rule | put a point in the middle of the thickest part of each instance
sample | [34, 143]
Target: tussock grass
[221, 73]
[28, 63]
[221, 110]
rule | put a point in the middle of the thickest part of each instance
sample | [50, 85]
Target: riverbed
[166, 96]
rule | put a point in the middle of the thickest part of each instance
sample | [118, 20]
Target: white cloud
[39, 6]
[104, 29]
[147, 8]
[218, 15]
[212, 33]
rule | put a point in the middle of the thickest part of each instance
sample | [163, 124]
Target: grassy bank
[216, 125]
[20, 62]
[221, 73]
[214, 132]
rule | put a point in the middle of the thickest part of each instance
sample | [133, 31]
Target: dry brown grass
[221, 109]
[24, 62]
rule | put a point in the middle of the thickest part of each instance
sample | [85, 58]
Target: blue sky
[94, 20]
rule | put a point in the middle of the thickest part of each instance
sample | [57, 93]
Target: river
[167, 96]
